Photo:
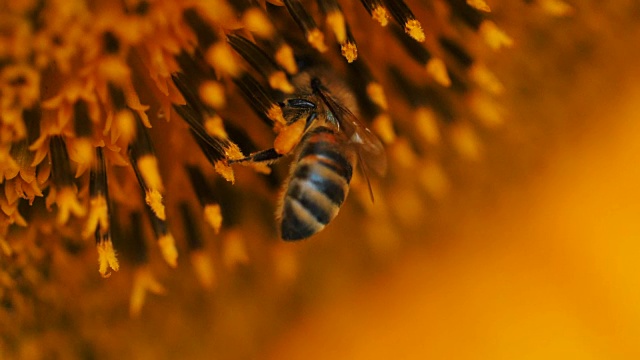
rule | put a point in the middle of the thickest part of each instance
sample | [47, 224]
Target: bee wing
[370, 149]
[371, 154]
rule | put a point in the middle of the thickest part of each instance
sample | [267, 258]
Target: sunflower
[122, 121]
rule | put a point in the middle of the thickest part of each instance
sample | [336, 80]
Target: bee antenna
[315, 85]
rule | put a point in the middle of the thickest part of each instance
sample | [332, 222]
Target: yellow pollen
[124, 127]
[315, 37]
[289, 137]
[82, 152]
[284, 57]
[485, 79]
[427, 125]
[403, 155]
[203, 268]
[233, 152]
[225, 171]
[479, 5]
[148, 165]
[349, 51]
[383, 127]
[414, 29]
[213, 216]
[68, 204]
[143, 281]
[375, 91]
[335, 21]
[437, 69]
[257, 22]
[5, 247]
[107, 258]
[213, 94]
[215, 127]
[153, 198]
[488, 112]
[115, 69]
[556, 7]
[381, 15]
[494, 36]
[220, 57]
[234, 250]
[168, 249]
[278, 80]
[466, 141]
[98, 215]
[275, 113]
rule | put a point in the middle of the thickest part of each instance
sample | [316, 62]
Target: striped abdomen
[318, 184]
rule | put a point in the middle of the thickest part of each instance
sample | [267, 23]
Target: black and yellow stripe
[319, 184]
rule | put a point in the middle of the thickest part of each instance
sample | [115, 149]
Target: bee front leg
[267, 156]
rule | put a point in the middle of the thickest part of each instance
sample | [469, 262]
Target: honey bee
[333, 142]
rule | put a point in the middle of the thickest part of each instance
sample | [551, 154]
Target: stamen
[234, 250]
[205, 34]
[260, 61]
[165, 240]
[475, 19]
[82, 147]
[205, 125]
[306, 23]
[556, 7]
[257, 21]
[349, 49]
[143, 281]
[425, 102]
[485, 78]
[284, 56]
[199, 259]
[145, 165]
[335, 19]
[61, 175]
[471, 16]
[215, 148]
[459, 54]
[435, 67]
[479, 5]
[404, 16]
[426, 124]
[111, 44]
[374, 90]
[493, 36]
[217, 52]
[98, 221]
[377, 10]
[64, 193]
[197, 74]
[261, 101]
[254, 18]
[206, 197]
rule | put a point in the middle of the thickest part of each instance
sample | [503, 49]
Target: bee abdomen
[315, 193]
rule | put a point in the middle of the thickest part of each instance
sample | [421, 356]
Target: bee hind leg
[267, 156]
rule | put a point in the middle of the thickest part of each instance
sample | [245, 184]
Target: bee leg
[267, 156]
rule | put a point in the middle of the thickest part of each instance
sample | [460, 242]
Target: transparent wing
[370, 149]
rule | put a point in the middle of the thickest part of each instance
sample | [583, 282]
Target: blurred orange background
[552, 270]
[549, 267]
